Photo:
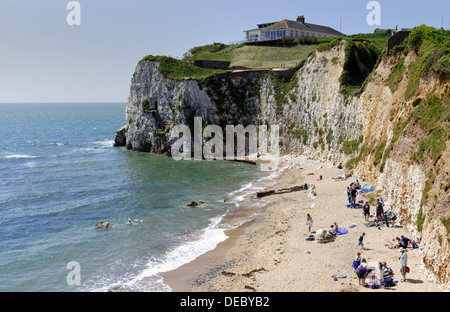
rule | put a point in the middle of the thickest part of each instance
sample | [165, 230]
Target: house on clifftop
[296, 29]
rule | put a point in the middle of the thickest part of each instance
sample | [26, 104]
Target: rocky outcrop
[156, 104]
[103, 225]
[194, 203]
[121, 139]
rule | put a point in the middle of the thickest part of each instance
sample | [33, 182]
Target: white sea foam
[104, 143]
[149, 280]
[19, 156]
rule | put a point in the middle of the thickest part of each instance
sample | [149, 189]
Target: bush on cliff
[360, 59]
[433, 55]
[178, 70]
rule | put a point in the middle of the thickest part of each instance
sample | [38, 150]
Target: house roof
[303, 27]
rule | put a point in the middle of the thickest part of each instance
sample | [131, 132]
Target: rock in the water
[121, 139]
[193, 203]
[102, 225]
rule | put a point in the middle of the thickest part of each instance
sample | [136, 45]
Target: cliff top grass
[178, 70]
[255, 56]
[288, 56]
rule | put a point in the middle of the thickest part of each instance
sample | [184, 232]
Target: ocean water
[60, 174]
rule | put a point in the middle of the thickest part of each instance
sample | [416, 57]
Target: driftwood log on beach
[283, 190]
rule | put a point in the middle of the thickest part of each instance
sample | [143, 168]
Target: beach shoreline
[270, 253]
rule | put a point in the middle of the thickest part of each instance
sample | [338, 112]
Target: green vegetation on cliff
[360, 60]
[255, 56]
[433, 55]
[178, 70]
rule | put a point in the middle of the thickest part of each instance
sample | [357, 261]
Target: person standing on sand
[360, 241]
[309, 222]
[403, 263]
[366, 209]
[380, 210]
[362, 271]
[349, 195]
[354, 193]
[356, 262]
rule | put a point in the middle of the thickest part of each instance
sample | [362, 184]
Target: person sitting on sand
[336, 228]
[387, 275]
[333, 230]
[404, 242]
[395, 244]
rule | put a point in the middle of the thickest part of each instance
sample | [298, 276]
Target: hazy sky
[43, 59]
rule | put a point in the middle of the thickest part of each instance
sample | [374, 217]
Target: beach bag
[406, 270]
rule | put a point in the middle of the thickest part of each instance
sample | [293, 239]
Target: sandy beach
[271, 253]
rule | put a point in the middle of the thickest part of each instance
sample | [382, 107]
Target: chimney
[301, 19]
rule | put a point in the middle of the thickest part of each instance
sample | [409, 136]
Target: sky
[44, 59]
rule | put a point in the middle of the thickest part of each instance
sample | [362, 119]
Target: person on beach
[403, 263]
[387, 275]
[395, 244]
[309, 222]
[354, 192]
[379, 209]
[357, 262]
[366, 209]
[379, 273]
[404, 242]
[362, 271]
[336, 228]
[390, 214]
[333, 230]
[360, 241]
[349, 195]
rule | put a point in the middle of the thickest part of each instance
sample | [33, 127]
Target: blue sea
[60, 175]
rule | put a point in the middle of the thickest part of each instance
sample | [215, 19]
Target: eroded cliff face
[418, 191]
[318, 121]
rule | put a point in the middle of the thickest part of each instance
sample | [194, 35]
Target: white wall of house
[253, 35]
[261, 34]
